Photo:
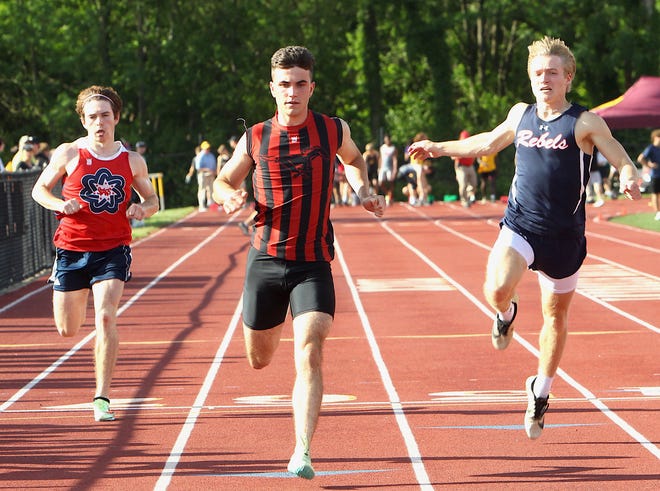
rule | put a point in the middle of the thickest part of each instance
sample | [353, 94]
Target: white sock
[542, 385]
[507, 315]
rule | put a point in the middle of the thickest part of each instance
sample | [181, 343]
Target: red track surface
[416, 397]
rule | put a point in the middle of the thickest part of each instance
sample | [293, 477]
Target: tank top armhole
[71, 166]
[248, 145]
[340, 132]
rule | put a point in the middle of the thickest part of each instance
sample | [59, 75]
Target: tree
[189, 71]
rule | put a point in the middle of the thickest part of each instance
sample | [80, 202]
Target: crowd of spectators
[28, 154]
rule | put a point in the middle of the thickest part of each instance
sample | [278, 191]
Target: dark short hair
[293, 56]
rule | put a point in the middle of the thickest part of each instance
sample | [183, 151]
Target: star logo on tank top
[294, 139]
[544, 127]
[103, 191]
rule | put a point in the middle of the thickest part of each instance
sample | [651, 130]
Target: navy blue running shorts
[558, 257]
[75, 270]
[272, 285]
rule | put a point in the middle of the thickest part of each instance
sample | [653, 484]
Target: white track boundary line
[603, 303]
[393, 396]
[179, 446]
[600, 405]
[23, 298]
[133, 246]
[30, 385]
[624, 242]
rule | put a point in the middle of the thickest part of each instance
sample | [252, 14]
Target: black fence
[26, 230]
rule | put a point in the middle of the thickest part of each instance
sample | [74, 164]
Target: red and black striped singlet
[292, 181]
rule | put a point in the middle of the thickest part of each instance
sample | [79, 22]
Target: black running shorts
[273, 284]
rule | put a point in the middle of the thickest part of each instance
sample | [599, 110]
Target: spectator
[24, 159]
[43, 155]
[389, 168]
[465, 176]
[409, 175]
[141, 148]
[594, 188]
[223, 156]
[650, 158]
[487, 170]
[606, 173]
[2, 149]
[22, 141]
[205, 165]
[422, 167]
[372, 158]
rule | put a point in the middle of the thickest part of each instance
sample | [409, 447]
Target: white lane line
[134, 245]
[595, 401]
[30, 385]
[579, 291]
[180, 444]
[625, 242]
[24, 298]
[394, 400]
[615, 284]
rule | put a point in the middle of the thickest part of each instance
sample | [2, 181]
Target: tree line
[193, 71]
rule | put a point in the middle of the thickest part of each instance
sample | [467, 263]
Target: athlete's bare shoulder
[65, 153]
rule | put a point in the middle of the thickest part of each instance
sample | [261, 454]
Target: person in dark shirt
[544, 224]
[292, 156]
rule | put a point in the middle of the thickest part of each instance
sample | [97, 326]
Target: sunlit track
[395, 403]
[282, 401]
[599, 403]
[18, 395]
[641, 285]
[415, 397]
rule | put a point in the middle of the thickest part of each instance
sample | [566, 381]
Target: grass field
[640, 220]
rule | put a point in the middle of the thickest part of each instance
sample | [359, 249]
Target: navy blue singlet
[547, 195]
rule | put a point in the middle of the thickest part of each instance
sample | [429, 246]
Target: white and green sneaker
[102, 410]
[301, 465]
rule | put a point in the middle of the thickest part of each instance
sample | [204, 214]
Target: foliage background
[187, 71]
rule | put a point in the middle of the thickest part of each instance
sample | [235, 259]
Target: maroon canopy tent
[638, 107]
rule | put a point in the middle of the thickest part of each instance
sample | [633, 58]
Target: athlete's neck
[292, 118]
[549, 111]
[103, 148]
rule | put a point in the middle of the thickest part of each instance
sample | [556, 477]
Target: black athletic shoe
[502, 332]
[536, 408]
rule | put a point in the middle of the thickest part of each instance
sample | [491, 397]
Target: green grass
[639, 220]
[160, 220]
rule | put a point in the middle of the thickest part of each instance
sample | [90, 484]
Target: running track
[415, 396]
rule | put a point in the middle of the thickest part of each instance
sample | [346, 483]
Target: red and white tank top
[102, 186]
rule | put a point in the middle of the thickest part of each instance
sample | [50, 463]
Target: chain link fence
[26, 230]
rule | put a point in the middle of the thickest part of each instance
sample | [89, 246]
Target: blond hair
[553, 47]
